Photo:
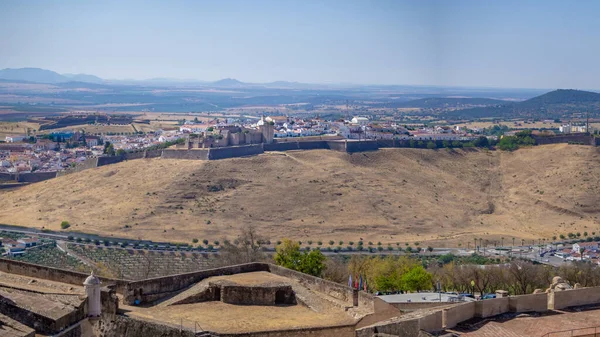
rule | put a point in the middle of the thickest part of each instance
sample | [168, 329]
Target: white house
[14, 139]
[585, 245]
[362, 121]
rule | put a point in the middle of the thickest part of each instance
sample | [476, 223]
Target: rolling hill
[45, 76]
[554, 104]
[446, 102]
[392, 195]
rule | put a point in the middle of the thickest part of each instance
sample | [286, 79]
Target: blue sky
[528, 44]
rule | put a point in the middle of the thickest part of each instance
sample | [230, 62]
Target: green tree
[431, 145]
[120, 152]
[416, 279]
[288, 255]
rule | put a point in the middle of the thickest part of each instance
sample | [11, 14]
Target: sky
[516, 44]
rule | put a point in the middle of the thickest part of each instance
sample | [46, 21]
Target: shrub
[195, 240]
[331, 242]
[205, 241]
[65, 225]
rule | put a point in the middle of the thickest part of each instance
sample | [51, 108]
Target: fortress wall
[133, 155]
[337, 145]
[287, 146]
[8, 176]
[313, 145]
[197, 154]
[87, 164]
[458, 313]
[153, 153]
[528, 303]
[35, 177]
[578, 138]
[491, 307]
[572, 298]
[53, 274]
[335, 290]
[147, 291]
[366, 145]
[109, 160]
[394, 327]
[235, 151]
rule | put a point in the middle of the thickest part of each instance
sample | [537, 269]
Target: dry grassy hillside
[392, 195]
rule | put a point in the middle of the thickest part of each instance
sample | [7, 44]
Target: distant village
[57, 151]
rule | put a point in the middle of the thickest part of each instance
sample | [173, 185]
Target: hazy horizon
[512, 44]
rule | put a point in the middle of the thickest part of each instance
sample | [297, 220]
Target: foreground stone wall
[458, 313]
[528, 303]
[54, 274]
[399, 326]
[121, 326]
[491, 307]
[341, 331]
[150, 290]
[571, 298]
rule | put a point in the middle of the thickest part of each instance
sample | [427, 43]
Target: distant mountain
[446, 102]
[553, 104]
[228, 82]
[45, 76]
[32, 75]
[83, 78]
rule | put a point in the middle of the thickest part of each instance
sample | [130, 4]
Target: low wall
[335, 290]
[528, 303]
[458, 313]
[382, 311]
[134, 155]
[491, 307]
[147, 291]
[287, 146]
[572, 298]
[431, 322]
[54, 274]
[412, 306]
[35, 177]
[313, 145]
[196, 154]
[234, 151]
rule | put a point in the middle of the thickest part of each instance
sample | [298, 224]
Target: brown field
[16, 128]
[94, 129]
[392, 195]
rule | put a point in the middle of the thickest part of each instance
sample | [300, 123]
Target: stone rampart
[431, 322]
[491, 307]
[235, 151]
[335, 290]
[134, 155]
[573, 138]
[315, 145]
[528, 303]
[287, 146]
[362, 146]
[109, 160]
[54, 274]
[8, 177]
[458, 313]
[196, 154]
[35, 177]
[86, 164]
[147, 291]
[338, 145]
[153, 153]
[572, 298]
